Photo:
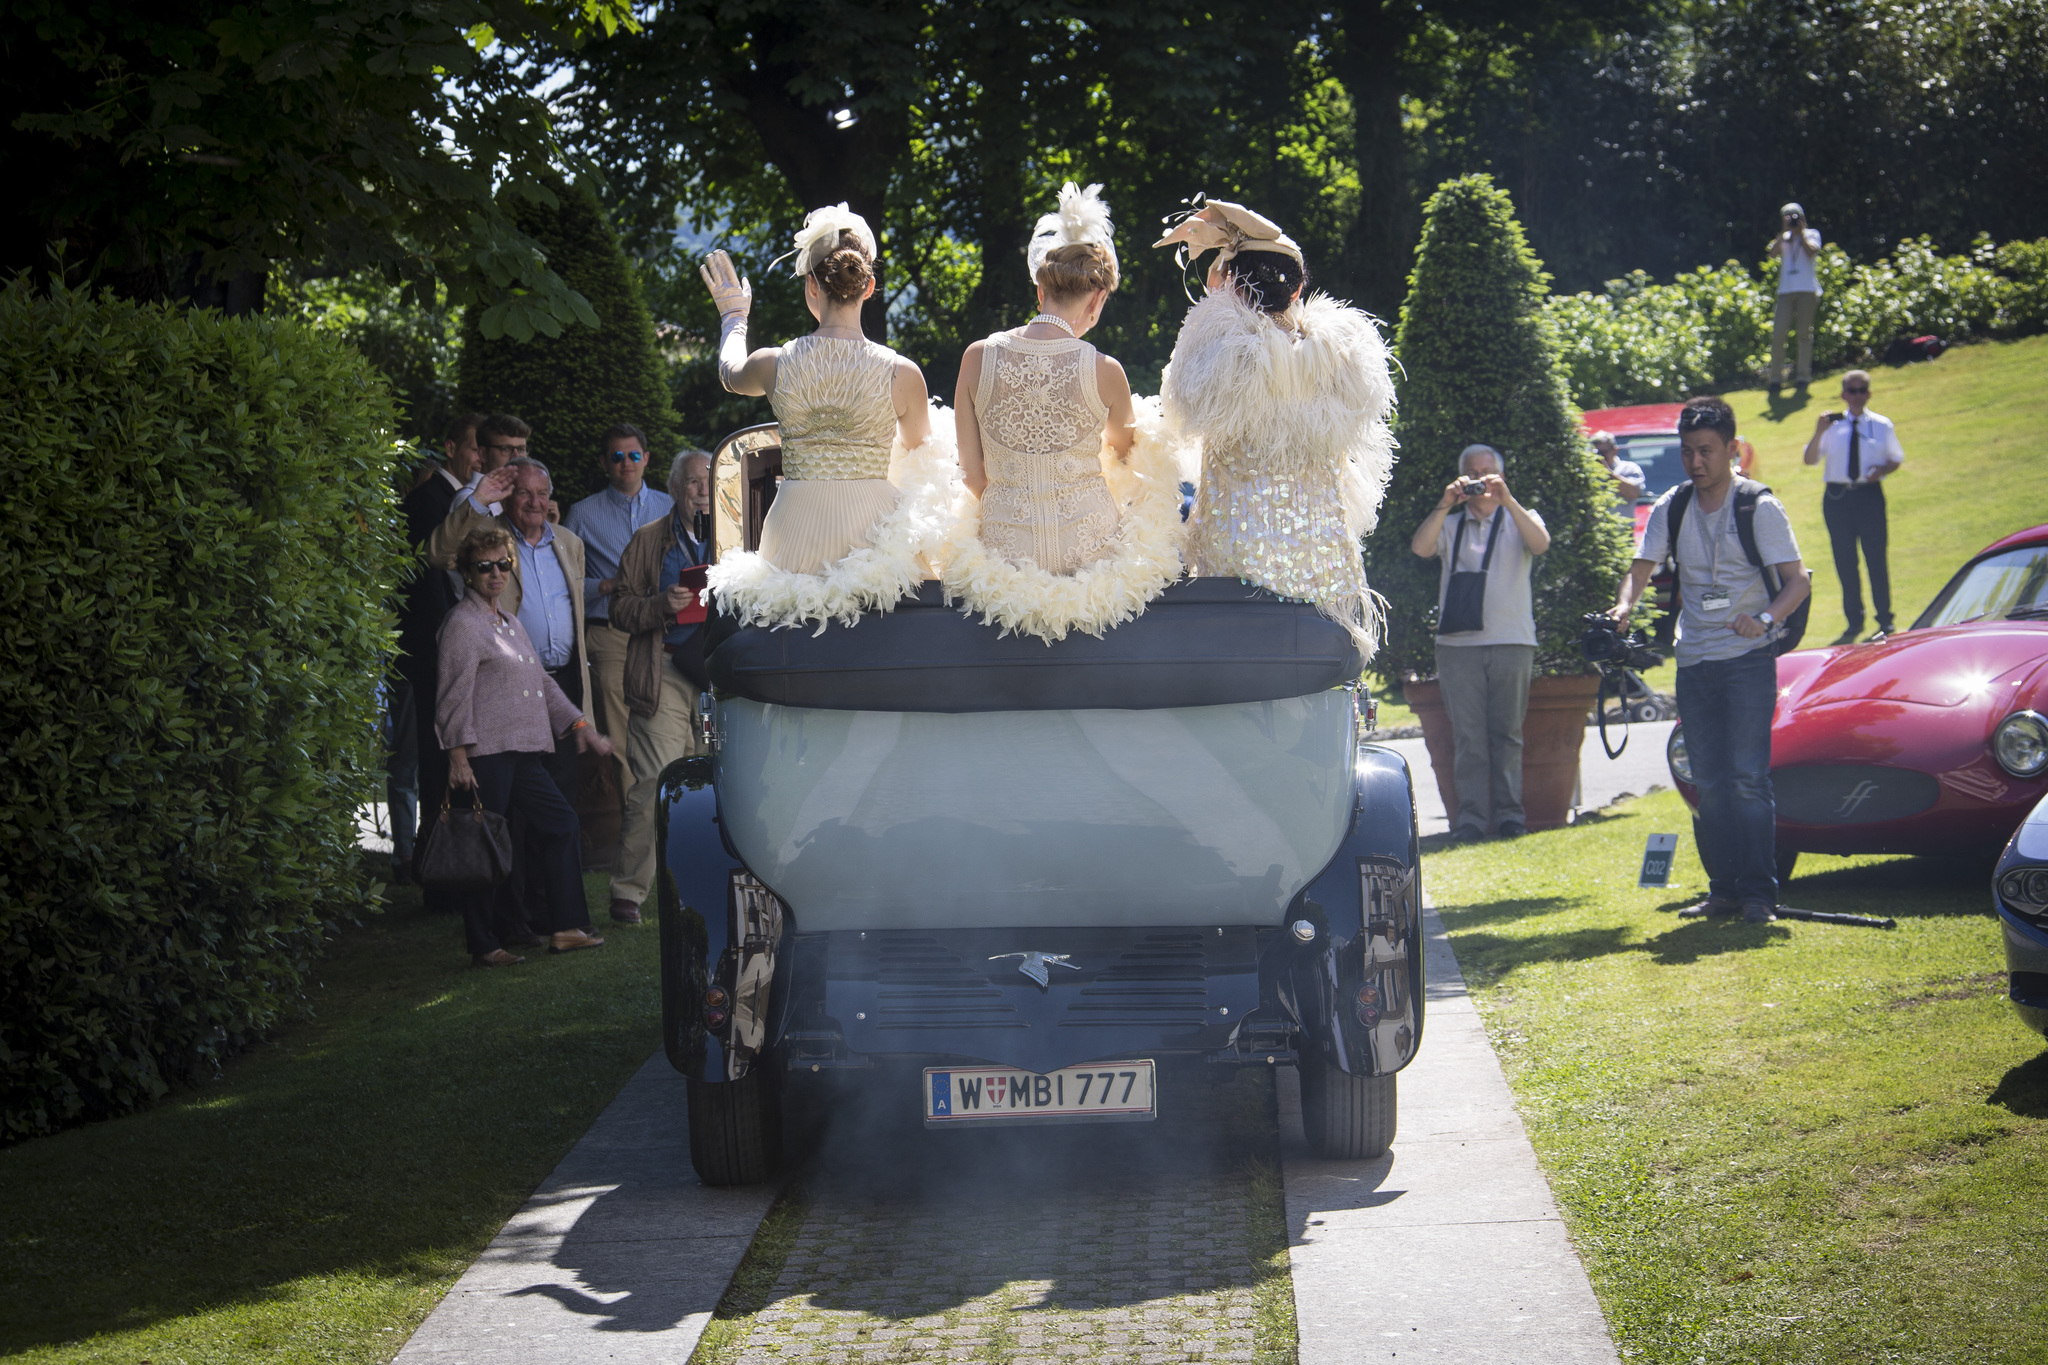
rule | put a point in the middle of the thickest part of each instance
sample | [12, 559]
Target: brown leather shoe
[569, 940]
[625, 912]
[497, 957]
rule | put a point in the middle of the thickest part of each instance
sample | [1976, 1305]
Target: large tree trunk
[1380, 246]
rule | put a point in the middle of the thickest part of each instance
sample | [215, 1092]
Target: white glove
[731, 294]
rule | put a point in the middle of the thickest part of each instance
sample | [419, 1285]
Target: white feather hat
[818, 236]
[1081, 217]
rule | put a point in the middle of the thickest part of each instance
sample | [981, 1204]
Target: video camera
[1607, 648]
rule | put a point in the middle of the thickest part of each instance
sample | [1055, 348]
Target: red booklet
[693, 579]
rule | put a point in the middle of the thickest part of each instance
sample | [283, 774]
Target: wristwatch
[1768, 619]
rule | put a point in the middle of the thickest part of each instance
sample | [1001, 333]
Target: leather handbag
[1464, 607]
[467, 849]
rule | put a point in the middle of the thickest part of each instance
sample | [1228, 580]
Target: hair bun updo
[1269, 280]
[1076, 270]
[846, 271]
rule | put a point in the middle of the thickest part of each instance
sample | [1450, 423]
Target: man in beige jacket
[663, 703]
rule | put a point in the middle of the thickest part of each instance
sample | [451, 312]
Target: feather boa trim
[1306, 403]
[1144, 561]
[873, 578]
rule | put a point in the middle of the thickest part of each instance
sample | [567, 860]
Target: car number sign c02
[1101, 1092]
[1658, 855]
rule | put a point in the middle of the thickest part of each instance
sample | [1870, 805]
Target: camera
[1607, 647]
[1472, 488]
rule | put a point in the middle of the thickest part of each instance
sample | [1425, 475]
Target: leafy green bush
[570, 387]
[1641, 342]
[192, 625]
[1481, 360]
[411, 341]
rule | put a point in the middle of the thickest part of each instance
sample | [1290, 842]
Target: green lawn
[315, 1202]
[1789, 1142]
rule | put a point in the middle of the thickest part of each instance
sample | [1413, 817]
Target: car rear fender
[719, 927]
[1355, 989]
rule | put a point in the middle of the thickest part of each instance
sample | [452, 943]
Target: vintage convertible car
[1934, 740]
[991, 881]
[2019, 888]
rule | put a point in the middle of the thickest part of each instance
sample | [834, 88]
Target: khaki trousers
[653, 743]
[1486, 691]
[607, 646]
[1793, 310]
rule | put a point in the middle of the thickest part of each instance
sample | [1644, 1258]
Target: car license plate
[1105, 1092]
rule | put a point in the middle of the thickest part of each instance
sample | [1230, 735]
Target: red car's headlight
[1675, 755]
[2020, 744]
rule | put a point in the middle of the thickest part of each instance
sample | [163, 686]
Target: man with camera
[1797, 248]
[1486, 636]
[1859, 448]
[1740, 578]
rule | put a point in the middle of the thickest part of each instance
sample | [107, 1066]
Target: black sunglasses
[492, 565]
[1855, 388]
[621, 456]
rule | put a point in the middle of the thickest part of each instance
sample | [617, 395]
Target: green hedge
[193, 579]
[1641, 342]
[1481, 365]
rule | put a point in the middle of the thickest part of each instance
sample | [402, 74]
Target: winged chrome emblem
[1034, 964]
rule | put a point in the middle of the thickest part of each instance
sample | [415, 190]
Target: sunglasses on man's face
[621, 456]
[1855, 388]
[492, 566]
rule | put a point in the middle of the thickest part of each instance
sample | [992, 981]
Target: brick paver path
[1032, 1246]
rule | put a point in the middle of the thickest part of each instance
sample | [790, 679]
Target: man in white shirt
[1627, 474]
[1727, 659]
[1797, 248]
[1486, 636]
[1858, 448]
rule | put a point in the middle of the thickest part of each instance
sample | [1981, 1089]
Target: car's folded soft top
[1203, 642]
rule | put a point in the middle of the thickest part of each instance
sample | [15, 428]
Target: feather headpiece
[819, 235]
[1232, 227]
[1081, 217]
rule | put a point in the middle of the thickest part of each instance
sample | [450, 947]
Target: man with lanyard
[647, 601]
[1859, 448]
[1727, 665]
[1486, 637]
[606, 521]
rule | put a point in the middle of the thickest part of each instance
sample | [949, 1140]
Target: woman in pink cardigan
[498, 716]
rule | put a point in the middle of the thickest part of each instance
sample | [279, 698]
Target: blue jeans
[1726, 709]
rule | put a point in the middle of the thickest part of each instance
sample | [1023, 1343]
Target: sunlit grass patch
[1786, 1142]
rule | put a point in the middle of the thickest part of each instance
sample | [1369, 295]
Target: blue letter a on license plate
[942, 1093]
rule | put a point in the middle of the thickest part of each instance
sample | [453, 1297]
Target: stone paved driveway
[1149, 1243]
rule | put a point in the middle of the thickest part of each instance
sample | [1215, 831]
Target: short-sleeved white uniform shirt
[1710, 558]
[1877, 442]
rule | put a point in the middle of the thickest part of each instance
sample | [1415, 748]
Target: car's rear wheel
[735, 1129]
[1346, 1118]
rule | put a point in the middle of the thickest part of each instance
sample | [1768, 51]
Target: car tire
[1787, 859]
[735, 1130]
[1346, 1118]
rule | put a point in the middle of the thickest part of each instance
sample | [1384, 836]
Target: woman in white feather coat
[1287, 400]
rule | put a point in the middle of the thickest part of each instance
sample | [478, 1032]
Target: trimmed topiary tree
[193, 578]
[570, 387]
[1481, 363]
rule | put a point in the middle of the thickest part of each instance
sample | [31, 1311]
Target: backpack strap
[1674, 518]
[1747, 495]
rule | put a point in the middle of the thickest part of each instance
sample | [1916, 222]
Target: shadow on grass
[386, 1137]
[2023, 1091]
[1492, 956]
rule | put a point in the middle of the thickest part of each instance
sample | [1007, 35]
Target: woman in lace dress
[1287, 400]
[840, 537]
[1044, 421]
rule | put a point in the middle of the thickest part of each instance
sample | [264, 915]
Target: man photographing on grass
[1730, 617]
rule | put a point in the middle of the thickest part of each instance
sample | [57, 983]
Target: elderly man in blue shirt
[606, 521]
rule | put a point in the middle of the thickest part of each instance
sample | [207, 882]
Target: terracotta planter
[1553, 733]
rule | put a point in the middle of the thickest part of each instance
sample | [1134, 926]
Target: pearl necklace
[1055, 320]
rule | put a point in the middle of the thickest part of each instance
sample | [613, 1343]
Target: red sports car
[1934, 740]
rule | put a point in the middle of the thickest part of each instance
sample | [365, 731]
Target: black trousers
[1855, 516]
[518, 787]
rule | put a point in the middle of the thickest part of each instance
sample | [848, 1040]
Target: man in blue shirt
[605, 522]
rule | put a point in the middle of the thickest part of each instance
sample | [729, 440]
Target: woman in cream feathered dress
[1287, 399]
[840, 538]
